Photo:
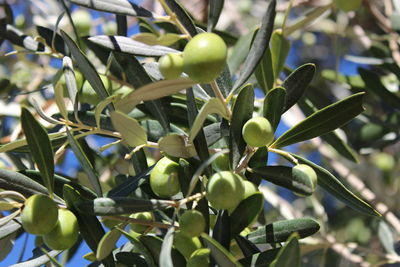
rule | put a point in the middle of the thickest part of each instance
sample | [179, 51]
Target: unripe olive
[39, 215]
[348, 5]
[204, 57]
[79, 82]
[303, 172]
[192, 223]
[225, 190]
[88, 95]
[383, 161]
[171, 66]
[199, 258]
[66, 232]
[221, 163]
[82, 21]
[186, 245]
[258, 132]
[164, 180]
[144, 216]
[249, 189]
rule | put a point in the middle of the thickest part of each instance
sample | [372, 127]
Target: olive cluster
[57, 226]
[203, 59]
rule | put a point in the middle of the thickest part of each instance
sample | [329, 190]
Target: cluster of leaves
[191, 123]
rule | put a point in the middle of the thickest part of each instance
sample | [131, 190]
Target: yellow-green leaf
[129, 128]
[177, 145]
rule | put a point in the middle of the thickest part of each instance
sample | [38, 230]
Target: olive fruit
[65, 234]
[249, 189]
[88, 95]
[221, 163]
[225, 190]
[82, 21]
[199, 258]
[144, 216]
[258, 132]
[192, 223]
[303, 172]
[348, 5]
[171, 66]
[204, 57]
[164, 180]
[186, 245]
[39, 215]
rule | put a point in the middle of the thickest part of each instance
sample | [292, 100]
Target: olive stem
[245, 161]
[195, 197]
[174, 19]
[219, 95]
[284, 154]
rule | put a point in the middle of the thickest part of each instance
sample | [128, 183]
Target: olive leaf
[166, 249]
[260, 259]
[280, 47]
[182, 16]
[322, 121]
[264, 72]
[107, 243]
[153, 39]
[121, 7]
[177, 145]
[213, 106]
[19, 38]
[129, 128]
[70, 79]
[219, 253]
[38, 261]
[154, 244]
[51, 38]
[289, 255]
[215, 9]
[248, 248]
[274, 103]
[40, 147]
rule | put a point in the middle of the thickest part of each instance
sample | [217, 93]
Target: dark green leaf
[242, 111]
[258, 47]
[289, 255]
[260, 259]
[248, 249]
[15, 181]
[280, 231]
[297, 82]
[128, 46]
[375, 86]
[131, 258]
[212, 133]
[214, 11]
[323, 121]
[224, 81]
[121, 7]
[121, 205]
[274, 104]
[282, 176]
[280, 47]
[122, 25]
[182, 16]
[219, 253]
[153, 244]
[222, 229]
[246, 213]
[107, 243]
[85, 163]
[40, 147]
[264, 72]
[331, 184]
[17, 37]
[52, 38]
[86, 67]
[240, 51]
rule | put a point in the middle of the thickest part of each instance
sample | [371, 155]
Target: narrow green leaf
[214, 11]
[258, 47]
[8, 227]
[129, 128]
[20, 145]
[101, 106]
[153, 91]
[7, 219]
[297, 82]
[86, 67]
[131, 258]
[240, 51]
[121, 205]
[274, 104]
[280, 47]
[40, 147]
[222, 229]
[141, 248]
[260, 259]
[264, 72]
[70, 79]
[386, 237]
[248, 249]
[153, 244]
[177, 145]
[331, 184]
[128, 46]
[323, 121]
[37, 261]
[52, 38]
[7, 245]
[182, 16]
[121, 7]
[59, 97]
[15, 181]
[282, 176]
[242, 111]
[213, 106]
[166, 249]
[289, 255]
[280, 231]
[154, 39]
[19, 38]
[107, 243]
[85, 163]
[246, 213]
[219, 253]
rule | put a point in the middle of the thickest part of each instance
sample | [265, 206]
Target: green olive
[171, 66]
[88, 95]
[199, 258]
[258, 132]
[249, 189]
[225, 190]
[186, 245]
[306, 174]
[204, 57]
[221, 163]
[39, 215]
[164, 180]
[66, 232]
[82, 21]
[144, 216]
[348, 5]
[192, 223]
